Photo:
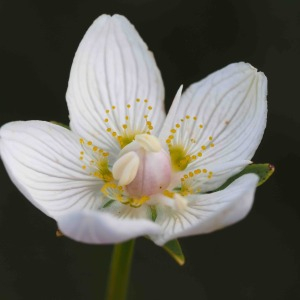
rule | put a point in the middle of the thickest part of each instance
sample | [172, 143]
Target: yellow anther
[195, 118]
[194, 157]
[150, 127]
[89, 143]
[149, 123]
[83, 167]
[187, 117]
[200, 126]
[150, 107]
[108, 129]
[81, 157]
[210, 138]
[113, 107]
[204, 171]
[126, 118]
[105, 154]
[137, 202]
[106, 120]
[171, 137]
[145, 100]
[168, 193]
[145, 116]
[81, 152]
[114, 133]
[186, 176]
[107, 111]
[186, 189]
[212, 145]
[81, 141]
[95, 148]
[173, 130]
[168, 141]
[203, 147]
[177, 125]
[128, 105]
[191, 174]
[137, 100]
[198, 171]
[199, 154]
[124, 126]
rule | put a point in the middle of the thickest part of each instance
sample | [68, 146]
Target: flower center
[144, 167]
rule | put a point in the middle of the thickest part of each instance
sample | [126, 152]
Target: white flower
[125, 169]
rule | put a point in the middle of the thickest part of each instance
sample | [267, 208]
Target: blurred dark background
[257, 258]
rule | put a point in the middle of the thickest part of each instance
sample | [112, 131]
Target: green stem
[120, 271]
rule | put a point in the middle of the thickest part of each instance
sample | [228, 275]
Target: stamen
[95, 161]
[116, 192]
[125, 133]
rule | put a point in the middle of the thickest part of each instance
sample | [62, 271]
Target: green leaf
[174, 249]
[60, 124]
[264, 171]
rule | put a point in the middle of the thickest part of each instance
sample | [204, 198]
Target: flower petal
[113, 67]
[224, 119]
[95, 227]
[42, 160]
[122, 211]
[208, 212]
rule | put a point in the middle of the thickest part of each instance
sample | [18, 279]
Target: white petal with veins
[229, 107]
[42, 160]
[95, 227]
[112, 67]
[207, 212]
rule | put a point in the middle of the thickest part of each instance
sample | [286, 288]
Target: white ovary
[146, 165]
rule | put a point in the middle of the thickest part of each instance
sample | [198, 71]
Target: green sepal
[60, 124]
[173, 248]
[264, 171]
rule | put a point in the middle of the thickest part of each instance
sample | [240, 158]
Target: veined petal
[113, 68]
[43, 161]
[205, 213]
[223, 118]
[172, 114]
[95, 227]
[122, 211]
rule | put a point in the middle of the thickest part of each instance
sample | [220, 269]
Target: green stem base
[120, 271]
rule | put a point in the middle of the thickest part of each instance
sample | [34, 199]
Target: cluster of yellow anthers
[95, 160]
[116, 192]
[187, 182]
[181, 155]
[126, 132]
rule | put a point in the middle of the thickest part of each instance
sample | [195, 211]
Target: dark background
[255, 259]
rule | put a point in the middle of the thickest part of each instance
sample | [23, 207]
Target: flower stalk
[120, 271]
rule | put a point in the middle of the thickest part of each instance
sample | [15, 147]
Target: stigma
[143, 167]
